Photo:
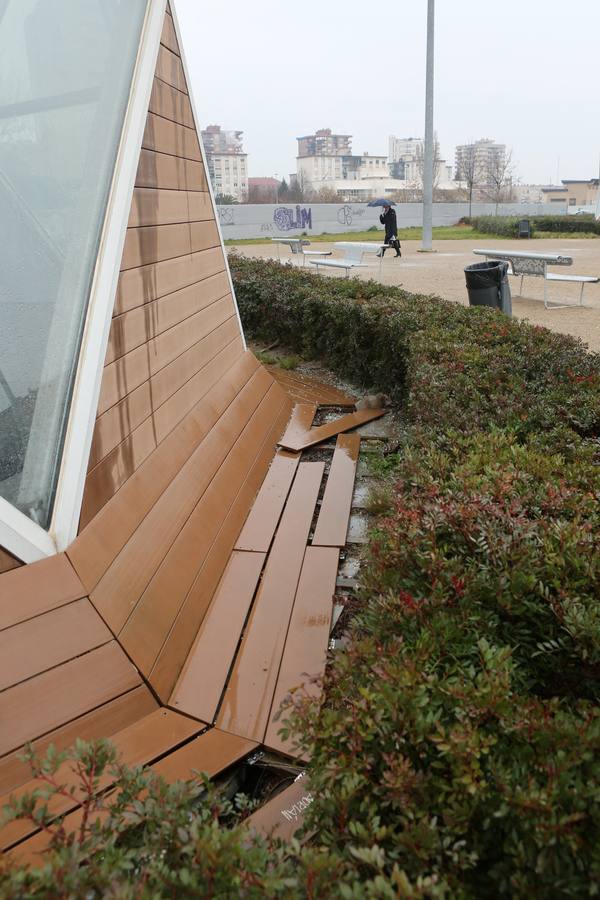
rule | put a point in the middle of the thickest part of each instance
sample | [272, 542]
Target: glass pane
[65, 74]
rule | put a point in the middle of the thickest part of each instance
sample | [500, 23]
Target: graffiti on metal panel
[226, 216]
[287, 218]
[344, 215]
[266, 226]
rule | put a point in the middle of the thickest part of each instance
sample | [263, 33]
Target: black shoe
[397, 255]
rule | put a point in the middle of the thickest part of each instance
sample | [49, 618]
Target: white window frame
[19, 535]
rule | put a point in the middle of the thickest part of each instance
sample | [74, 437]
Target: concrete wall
[267, 220]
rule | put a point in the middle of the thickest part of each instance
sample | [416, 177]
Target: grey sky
[523, 72]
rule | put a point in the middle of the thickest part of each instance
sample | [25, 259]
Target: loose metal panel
[283, 816]
[174, 652]
[55, 637]
[36, 588]
[203, 679]
[248, 696]
[211, 752]
[332, 524]
[64, 693]
[305, 652]
[300, 422]
[323, 432]
[101, 722]
[264, 516]
[98, 544]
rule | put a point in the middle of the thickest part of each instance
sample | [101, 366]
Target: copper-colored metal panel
[131, 329]
[37, 588]
[172, 104]
[130, 371]
[205, 673]
[332, 524]
[177, 407]
[118, 592]
[300, 422]
[283, 816]
[152, 619]
[32, 647]
[160, 170]
[152, 206]
[264, 516]
[119, 421]
[147, 283]
[306, 389]
[101, 722]
[96, 547]
[323, 432]
[212, 752]
[139, 743]
[204, 235]
[168, 36]
[200, 206]
[8, 562]
[172, 656]
[305, 652]
[64, 693]
[169, 69]
[152, 243]
[248, 696]
[165, 136]
[112, 472]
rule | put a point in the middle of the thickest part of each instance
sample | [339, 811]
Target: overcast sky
[523, 72]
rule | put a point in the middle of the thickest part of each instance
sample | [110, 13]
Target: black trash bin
[487, 285]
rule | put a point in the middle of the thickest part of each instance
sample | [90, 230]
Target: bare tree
[498, 177]
[468, 169]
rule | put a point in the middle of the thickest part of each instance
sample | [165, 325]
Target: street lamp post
[428, 155]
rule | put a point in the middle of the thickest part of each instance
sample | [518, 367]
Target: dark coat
[391, 227]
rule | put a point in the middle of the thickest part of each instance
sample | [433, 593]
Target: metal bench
[353, 256]
[297, 246]
[536, 265]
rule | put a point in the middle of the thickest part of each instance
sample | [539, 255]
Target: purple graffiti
[287, 219]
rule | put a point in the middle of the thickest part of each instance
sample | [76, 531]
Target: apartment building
[227, 163]
[480, 156]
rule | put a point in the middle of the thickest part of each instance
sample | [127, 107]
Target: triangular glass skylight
[65, 74]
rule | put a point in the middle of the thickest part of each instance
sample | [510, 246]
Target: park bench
[354, 251]
[536, 265]
[297, 246]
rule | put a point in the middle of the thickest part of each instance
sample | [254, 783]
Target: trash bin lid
[486, 274]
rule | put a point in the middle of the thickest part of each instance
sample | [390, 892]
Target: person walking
[388, 218]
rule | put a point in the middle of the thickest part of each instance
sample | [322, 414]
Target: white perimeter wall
[251, 220]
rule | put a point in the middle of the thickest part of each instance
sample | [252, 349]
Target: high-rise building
[478, 158]
[324, 143]
[227, 163]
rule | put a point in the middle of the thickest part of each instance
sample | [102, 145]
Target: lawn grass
[443, 233]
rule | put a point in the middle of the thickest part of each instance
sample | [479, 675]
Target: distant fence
[255, 220]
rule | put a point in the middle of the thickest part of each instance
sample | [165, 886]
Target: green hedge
[567, 224]
[508, 226]
[457, 753]
[502, 226]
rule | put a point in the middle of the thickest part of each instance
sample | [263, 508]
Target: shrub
[567, 224]
[502, 226]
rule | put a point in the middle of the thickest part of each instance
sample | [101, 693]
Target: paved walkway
[442, 273]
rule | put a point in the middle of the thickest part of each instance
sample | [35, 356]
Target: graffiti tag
[226, 216]
[286, 219]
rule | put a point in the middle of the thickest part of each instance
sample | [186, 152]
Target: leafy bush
[501, 226]
[567, 224]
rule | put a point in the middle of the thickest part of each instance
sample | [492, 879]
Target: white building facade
[227, 163]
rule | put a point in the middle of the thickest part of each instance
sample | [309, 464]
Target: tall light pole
[428, 155]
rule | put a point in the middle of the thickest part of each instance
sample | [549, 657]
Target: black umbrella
[381, 201]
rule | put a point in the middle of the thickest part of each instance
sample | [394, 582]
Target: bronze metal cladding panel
[129, 371]
[170, 103]
[131, 329]
[323, 432]
[160, 170]
[36, 588]
[104, 721]
[118, 592]
[146, 283]
[305, 389]
[305, 652]
[202, 681]
[151, 206]
[300, 422]
[55, 637]
[204, 235]
[119, 421]
[8, 562]
[168, 37]
[264, 516]
[247, 700]
[170, 661]
[99, 543]
[64, 693]
[169, 69]
[150, 622]
[139, 743]
[200, 206]
[164, 136]
[212, 752]
[332, 524]
[283, 816]
[153, 243]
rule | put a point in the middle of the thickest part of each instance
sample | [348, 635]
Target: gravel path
[442, 273]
